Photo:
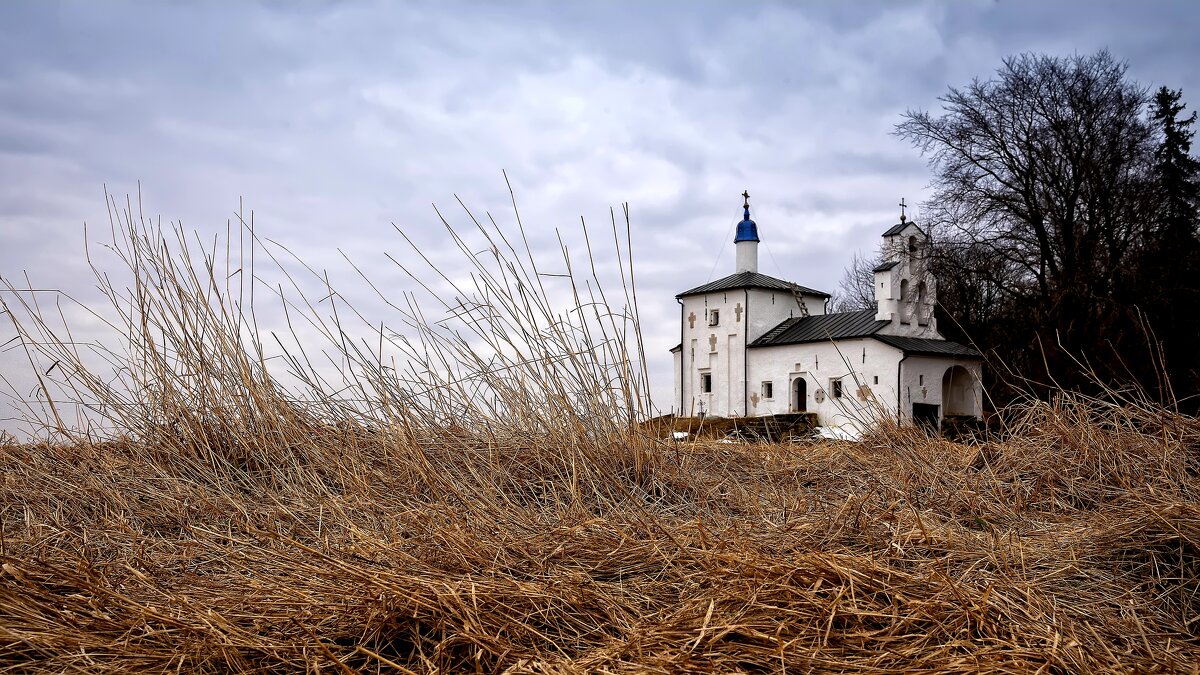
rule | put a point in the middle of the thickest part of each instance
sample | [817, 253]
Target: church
[753, 345]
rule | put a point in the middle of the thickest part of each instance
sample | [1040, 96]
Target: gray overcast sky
[333, 120]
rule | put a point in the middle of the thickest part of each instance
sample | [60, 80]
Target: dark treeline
[1065, 215]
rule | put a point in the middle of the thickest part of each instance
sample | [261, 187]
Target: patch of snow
[839, 433]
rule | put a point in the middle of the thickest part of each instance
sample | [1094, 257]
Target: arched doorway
[799, 395]
[958, 392]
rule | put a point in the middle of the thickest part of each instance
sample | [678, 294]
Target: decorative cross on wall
[737, 311]
[712, 342]
[692, 320]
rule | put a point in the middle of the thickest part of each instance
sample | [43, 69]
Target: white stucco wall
[715, 350]
[677, 365]
[877, 381]
[743, 316]
[922, 378]
[866, 368]
[769, 308]
[746, 256]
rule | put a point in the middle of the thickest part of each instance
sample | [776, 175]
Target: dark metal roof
[899, 227]
[677, 348]
[821, 327]
[926, 346]
[751, 280]
[848, 325]
[885, 266]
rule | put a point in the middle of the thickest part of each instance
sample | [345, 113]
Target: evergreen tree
[1166, 282]
[1176, 170]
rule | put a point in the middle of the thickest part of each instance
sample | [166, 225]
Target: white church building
[753, 345]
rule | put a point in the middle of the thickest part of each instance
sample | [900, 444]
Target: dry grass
[212, 520]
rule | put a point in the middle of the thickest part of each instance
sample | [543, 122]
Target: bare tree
[1045, 200]
[1045, 167]
[856, 290]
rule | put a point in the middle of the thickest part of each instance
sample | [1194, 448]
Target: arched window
[905, 307]
[922, 299]
[904, 290]
[912, 243]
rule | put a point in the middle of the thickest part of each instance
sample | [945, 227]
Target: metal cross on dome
[746, 196]
[902, 207]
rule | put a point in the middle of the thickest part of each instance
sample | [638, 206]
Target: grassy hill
[1069, 546]
[495, 506]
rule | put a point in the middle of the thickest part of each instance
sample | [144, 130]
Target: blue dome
[746, 230]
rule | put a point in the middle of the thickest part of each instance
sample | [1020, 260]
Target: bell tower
[905, 290]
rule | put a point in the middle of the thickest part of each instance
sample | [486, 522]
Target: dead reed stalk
[477, 497]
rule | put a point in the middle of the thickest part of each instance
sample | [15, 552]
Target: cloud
[333, 120]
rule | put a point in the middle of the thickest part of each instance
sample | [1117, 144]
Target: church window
[768, 390]
[920, 379]
[706, 383]
[922, 297]
[714, 317]
[835, 387]
[876, 379]
[912, 243]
